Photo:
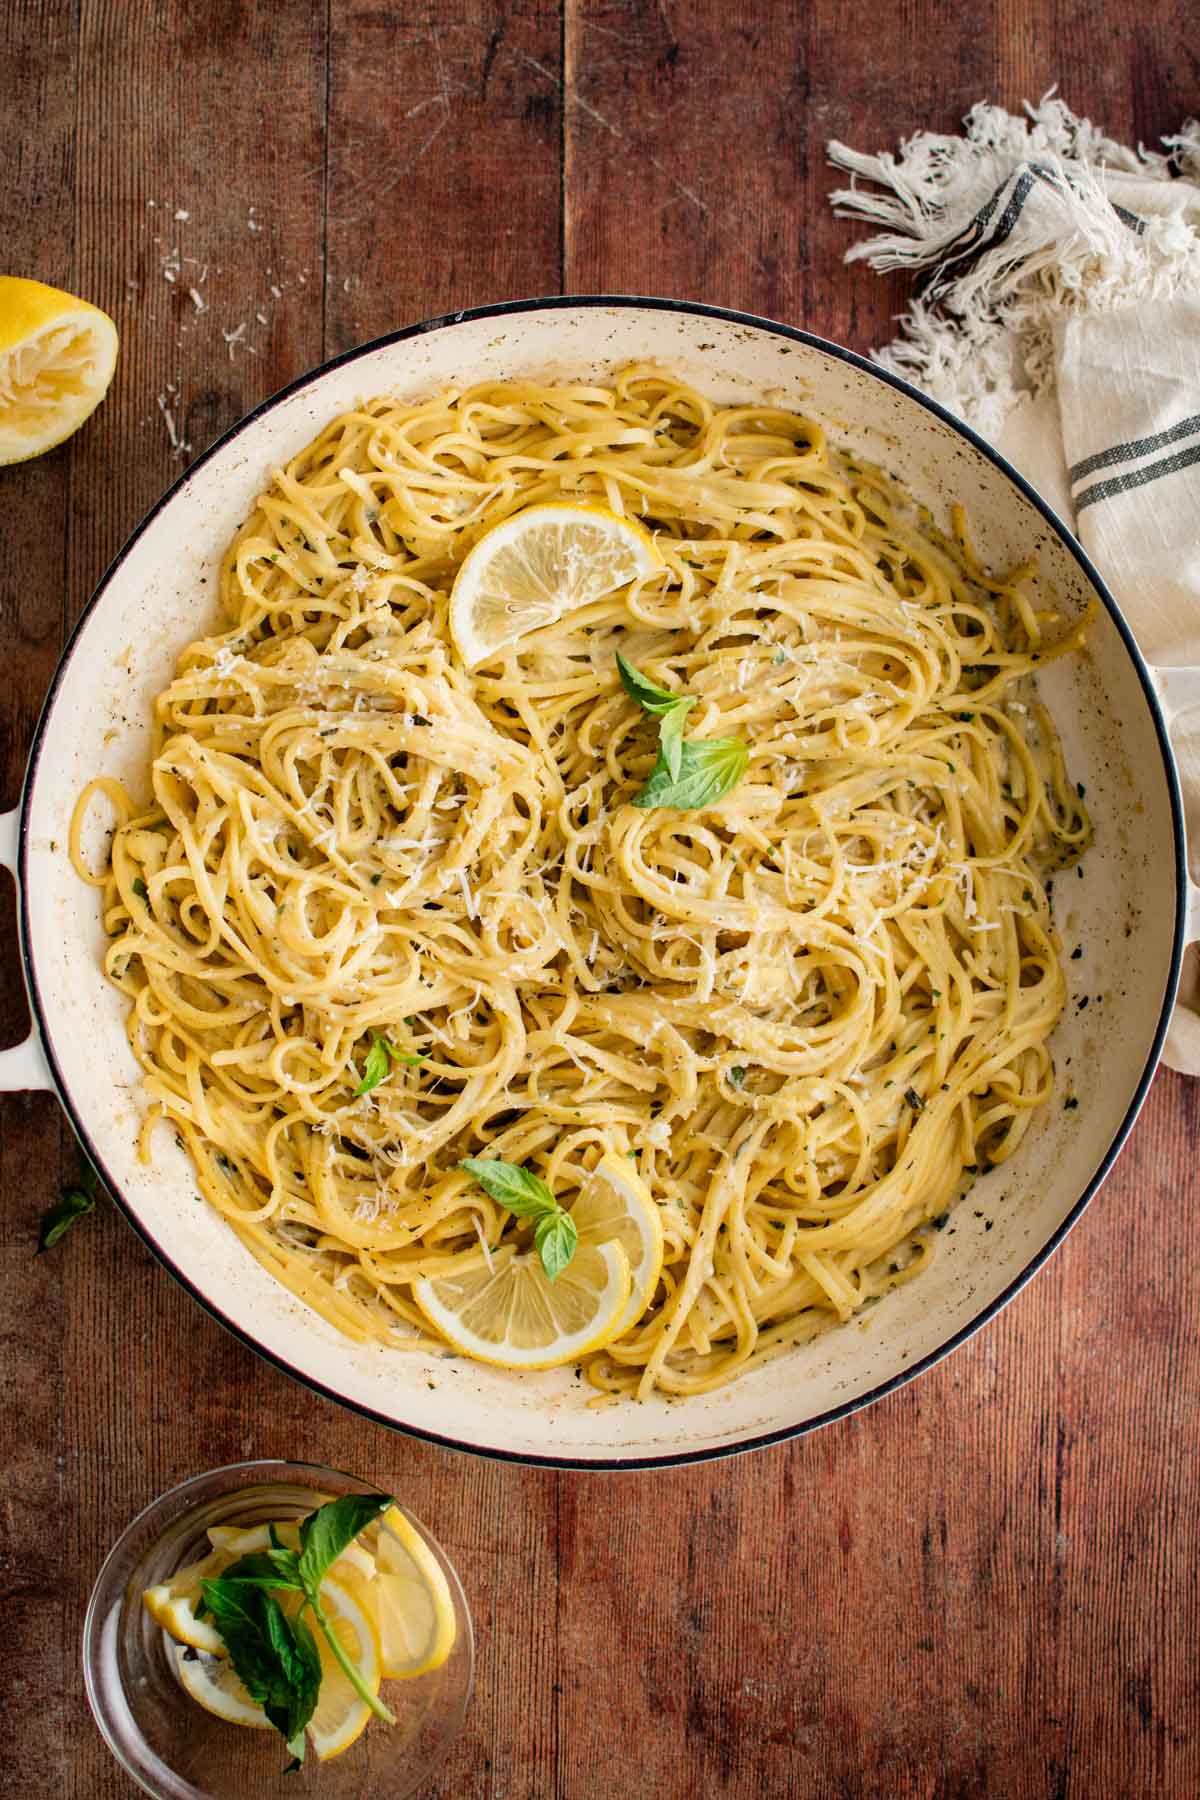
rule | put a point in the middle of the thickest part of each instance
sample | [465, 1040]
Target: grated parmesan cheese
[484, 1245]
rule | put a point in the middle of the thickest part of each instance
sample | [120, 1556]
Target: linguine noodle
[810, 1013]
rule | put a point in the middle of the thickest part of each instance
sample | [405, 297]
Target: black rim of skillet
[507, 309]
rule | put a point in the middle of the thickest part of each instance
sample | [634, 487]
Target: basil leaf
[276, 1660]
[58, 1219]
[326, 1532]
[670, 737]
[648, 695]
[554, 1240]
[375, 1067]
[300, 1663]
[266, 1568]
[237, 1614]
[523, 1192]
[708, 769]
[379, 1059]
[139, 887]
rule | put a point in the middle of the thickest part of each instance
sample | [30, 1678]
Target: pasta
[810, 1013]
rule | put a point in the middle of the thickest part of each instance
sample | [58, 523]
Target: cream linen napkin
[1060, 316]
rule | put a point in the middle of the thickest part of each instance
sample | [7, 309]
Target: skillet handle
[1179, 692]
[23, 1068]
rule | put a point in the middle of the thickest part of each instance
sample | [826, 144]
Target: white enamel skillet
[1127, 913]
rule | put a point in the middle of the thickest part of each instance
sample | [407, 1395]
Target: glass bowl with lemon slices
[278, 1627]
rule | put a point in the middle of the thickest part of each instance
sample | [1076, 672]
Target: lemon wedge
[212, 1684]
[172, 1604]
[510, 1314]
[57, 356]
[537, 566]
[242, 1540]
[615, 1203]
[412, 1600]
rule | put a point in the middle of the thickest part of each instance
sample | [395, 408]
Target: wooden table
[986, 1584]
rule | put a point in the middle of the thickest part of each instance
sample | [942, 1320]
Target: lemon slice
[538, 566]
[342, 1714]
[172, 1604]
[243, 1540]
[212, 1684]
[616, 1203]
[57, 356]
[412, 1600]
[512, 1315]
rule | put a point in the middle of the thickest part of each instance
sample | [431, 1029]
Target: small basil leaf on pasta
[647, 694]
[527, 1197]
[555, 1239]
[708, 769]
[670, 737]
[519, 1189]
[379, 1059]
[375, 1067]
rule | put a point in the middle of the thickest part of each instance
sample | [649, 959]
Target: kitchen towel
[1059, 314]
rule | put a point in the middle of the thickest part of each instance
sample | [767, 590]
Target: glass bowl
[176, 1750]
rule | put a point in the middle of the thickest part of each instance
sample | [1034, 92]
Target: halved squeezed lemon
[539, 565]
[57, 356]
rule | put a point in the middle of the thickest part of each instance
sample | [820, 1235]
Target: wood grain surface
[983, 1586]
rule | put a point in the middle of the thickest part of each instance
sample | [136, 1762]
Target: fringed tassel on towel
[1021, 220]
[1059, 312]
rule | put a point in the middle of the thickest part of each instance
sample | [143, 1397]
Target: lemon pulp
[57, 356]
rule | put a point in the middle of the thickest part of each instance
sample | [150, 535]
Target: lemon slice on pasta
[539, 565]
[505, 1310]
[616, 1203]
[57, 356]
